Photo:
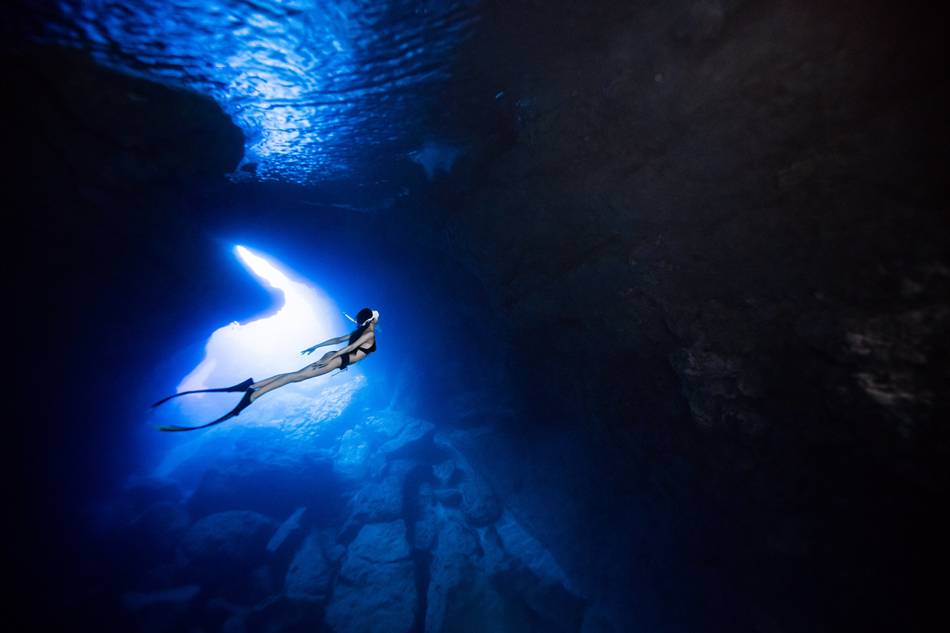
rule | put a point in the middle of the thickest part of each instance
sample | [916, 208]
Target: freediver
[361, 342]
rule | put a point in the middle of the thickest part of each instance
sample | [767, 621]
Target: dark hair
[364, 315]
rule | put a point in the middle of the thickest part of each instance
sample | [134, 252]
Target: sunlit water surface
[316, 85]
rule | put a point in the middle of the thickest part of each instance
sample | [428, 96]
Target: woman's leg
[257, 389]
[318, 368]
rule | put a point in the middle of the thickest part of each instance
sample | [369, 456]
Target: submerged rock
[448, 473]
[474, 606]
[285, 539]
[228, 541]
[375, 590]
[367, 449]
[414, 437]
[283, 614]
[380, 543]
[152, 536]
[352, 454]
[461, 596]
[151, 490]
[378, 502]
[538, 579]
[383, 426]
[217, 612]
[449, 497]
[308, 577]
[532, 554]
[136, 601]
[422, 517]
[452, 564]
[332, 549]
[260, 584]
[160, 611]
[479, 505]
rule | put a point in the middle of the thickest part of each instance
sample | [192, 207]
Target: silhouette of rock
[152, 536]
[283, 614]
[160, 611]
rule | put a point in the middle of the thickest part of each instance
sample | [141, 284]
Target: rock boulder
[376, 590]
[228, 541]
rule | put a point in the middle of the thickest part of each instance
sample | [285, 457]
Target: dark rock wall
[102, 266]
[721, 236]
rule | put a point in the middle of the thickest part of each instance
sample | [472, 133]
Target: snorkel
[373, 316]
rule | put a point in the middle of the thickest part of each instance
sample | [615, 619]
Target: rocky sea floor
[383, 526]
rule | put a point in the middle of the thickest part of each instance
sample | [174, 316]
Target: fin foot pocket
[243, 404]
[244, 386]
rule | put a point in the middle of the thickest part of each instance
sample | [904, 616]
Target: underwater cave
[664, 315]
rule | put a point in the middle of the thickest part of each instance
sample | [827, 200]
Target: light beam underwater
[267, 346]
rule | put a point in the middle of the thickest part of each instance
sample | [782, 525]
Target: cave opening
[664, 297]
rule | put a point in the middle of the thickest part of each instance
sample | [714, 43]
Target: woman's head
[365, 315]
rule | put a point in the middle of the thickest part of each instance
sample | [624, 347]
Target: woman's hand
[333, 341]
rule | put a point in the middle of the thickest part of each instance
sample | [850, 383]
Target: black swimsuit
[346, 358]
[245, 386]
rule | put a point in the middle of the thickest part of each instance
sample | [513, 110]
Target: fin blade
[243, 404]
[243, 386]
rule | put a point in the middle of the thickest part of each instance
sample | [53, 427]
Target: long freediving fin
[244, 386]
[243, 404]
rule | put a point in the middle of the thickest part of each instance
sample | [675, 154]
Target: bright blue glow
[264, 347]
[268, 346]
[315, 84]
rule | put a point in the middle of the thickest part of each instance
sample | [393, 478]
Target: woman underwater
[360, 344]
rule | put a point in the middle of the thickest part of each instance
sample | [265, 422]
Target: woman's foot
[244, 386]
[243, 404]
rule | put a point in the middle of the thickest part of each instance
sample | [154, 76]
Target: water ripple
[316, 85]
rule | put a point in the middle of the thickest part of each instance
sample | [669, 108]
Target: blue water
[318, 87]
[437, 485]
[325, 497]
[345, 502]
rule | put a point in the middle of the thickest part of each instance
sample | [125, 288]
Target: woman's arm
[367, 335]
[332, 341]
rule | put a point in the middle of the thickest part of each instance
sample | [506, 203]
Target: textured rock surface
[160, 610]
[717, 247]
[453, 570]
[288, 534]
[375, 591]
[378, 502]
[478, 505]
[228, 540]
[308, 577]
